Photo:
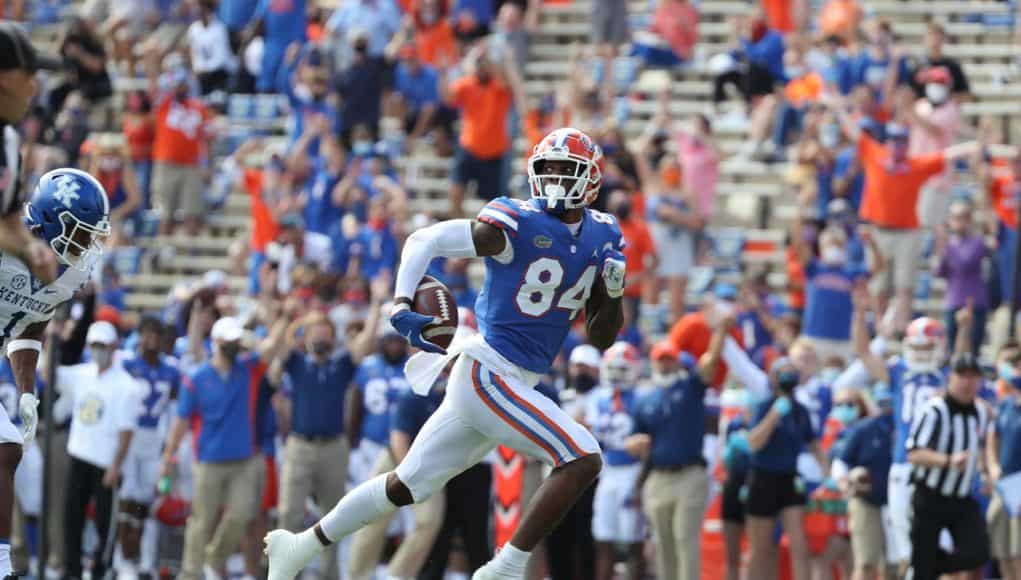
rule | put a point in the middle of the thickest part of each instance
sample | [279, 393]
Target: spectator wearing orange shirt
[640, 253]
[179, 149]
[691, 334]
[1002, 178]
[840, 18]
[893, 184]
[483, 97]
[433, 33]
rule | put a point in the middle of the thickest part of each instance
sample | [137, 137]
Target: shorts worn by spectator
[484, 97]
[610, 23]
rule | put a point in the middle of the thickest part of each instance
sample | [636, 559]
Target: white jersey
[24, 300]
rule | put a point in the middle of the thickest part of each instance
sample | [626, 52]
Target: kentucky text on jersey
[529, 301]
[25, 302]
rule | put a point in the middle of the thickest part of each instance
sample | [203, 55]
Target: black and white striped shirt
[12, 194]
[946, 426]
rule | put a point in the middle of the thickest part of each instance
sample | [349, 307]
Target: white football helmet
[621, 366]
[924, 345]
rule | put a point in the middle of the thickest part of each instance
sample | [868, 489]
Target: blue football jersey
[910, 393]
[381, 385]
[162, 382]
[609, 414]
[534, 291]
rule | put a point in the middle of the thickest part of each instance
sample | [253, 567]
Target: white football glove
[27, 411]
[614, 267]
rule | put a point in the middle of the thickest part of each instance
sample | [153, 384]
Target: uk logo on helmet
[67, 190]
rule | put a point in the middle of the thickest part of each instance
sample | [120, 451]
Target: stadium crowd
[254, 408]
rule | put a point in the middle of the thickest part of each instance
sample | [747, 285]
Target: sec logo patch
[19, 281]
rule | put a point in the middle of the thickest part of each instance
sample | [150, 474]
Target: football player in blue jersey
[547, 260]
[914, 377]
[161, 380]
[616, 514]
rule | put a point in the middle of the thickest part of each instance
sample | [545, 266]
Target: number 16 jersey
[538, 285]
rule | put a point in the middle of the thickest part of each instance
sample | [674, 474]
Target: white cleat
[489, 572]
[287, 554]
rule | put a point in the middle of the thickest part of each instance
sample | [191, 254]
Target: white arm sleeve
[449, 239]
[746, 372]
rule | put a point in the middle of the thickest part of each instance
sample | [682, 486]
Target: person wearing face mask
[669, 426]
[893, 183]
[861, 467]
[179, 147]
[1003, 457]
[782, 427]
[959, 259]
[103, 401]
[935, 124]
[218, 393]
[829, 280]
[483, 98]
[318, 374]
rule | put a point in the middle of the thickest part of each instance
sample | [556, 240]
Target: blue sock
[32, 536]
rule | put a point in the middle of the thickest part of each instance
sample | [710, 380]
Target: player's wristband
[24, 344]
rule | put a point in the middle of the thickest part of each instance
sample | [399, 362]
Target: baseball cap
[937, 74]
[17, 52]
[965, 363]
[227, 329]
[585, 354]
[664, 349]
[101, 332]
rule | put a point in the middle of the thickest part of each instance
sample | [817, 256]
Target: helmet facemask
[80, 244]
[562, 179]
[922, 356]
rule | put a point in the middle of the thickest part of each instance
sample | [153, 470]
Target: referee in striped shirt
[945, 446]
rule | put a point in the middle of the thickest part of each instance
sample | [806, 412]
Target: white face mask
[793, 72]
[833, 255]
[936, 93]
[829, 136]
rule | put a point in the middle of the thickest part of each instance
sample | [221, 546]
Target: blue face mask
[844, 413]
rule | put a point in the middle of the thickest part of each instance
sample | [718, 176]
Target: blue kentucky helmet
[69, 209]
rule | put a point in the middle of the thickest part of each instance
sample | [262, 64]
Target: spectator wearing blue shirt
[375, 245]
[862, 467]
[472, 18]
[216, 400]
[316, 454]
[781, 429]
[305, 80]
[282, 23]
[1003, 455]
[737, 461]
[757, 64]
[830, 278]
[236, 14]
[321, 200]
[671, 424]
[407, 417]
[417, 92]
[378, 20]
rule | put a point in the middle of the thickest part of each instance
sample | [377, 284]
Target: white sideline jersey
[24, 300]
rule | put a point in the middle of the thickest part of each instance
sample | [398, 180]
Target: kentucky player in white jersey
[547, 259]
[914, 377]
[616, 515]
[69, 211]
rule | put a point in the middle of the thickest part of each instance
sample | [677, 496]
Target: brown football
[433, 298]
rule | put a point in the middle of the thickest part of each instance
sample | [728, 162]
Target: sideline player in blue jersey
[547, 259]
[914, 377]
[609, 410]
[160, 381]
